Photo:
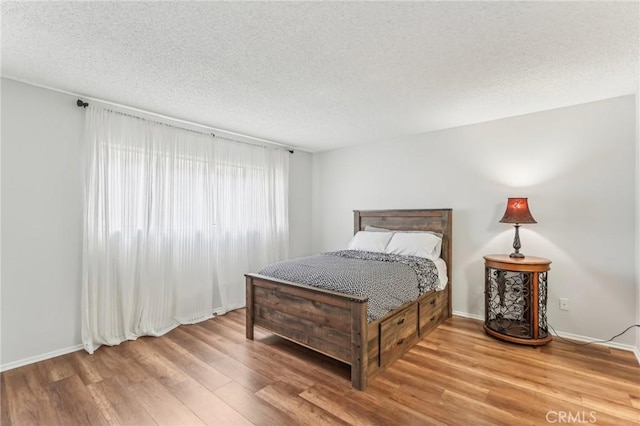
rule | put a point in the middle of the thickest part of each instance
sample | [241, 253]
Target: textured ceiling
[321, 75]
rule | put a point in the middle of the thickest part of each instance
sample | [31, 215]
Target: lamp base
[516, 244]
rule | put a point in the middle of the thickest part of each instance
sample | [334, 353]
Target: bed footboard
[328, 322]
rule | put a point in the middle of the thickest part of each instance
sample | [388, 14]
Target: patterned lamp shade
[517, 212]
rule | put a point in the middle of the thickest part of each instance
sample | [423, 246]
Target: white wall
[300, 167]
[576, 165]
[42, 221]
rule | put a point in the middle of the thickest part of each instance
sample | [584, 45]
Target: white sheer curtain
[172, 221]
[252, 221]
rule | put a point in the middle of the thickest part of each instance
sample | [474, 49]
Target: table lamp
[517, 213]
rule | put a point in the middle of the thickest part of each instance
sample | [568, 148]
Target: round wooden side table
[516, 299]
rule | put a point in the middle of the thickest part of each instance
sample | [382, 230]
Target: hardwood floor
[209, 373]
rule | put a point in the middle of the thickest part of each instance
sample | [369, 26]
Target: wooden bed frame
[335, 324]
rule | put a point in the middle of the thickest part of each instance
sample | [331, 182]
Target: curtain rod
[82, 104]
[229, 132]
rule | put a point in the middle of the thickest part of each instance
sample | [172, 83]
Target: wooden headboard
[436, 220]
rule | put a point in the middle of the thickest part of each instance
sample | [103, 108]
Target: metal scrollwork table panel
[516, 299]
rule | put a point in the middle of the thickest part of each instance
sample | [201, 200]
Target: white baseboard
[41, 357]
[615, 345]
[468, 315]
[571, 336]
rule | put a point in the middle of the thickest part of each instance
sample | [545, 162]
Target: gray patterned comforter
[388, 280]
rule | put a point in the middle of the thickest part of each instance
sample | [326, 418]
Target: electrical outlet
[564, 304]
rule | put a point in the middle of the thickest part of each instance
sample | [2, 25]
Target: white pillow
[422, 244]
[370, 241]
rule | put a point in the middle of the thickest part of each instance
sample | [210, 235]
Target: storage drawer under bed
[431, 311]
[397, 333]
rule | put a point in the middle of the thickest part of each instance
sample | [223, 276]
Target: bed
[335, 323]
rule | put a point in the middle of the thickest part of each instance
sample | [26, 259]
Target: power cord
[595, 341]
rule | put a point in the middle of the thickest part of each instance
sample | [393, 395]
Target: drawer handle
[433, 302]
[401, 321]
[400, 342]
[432, 318]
